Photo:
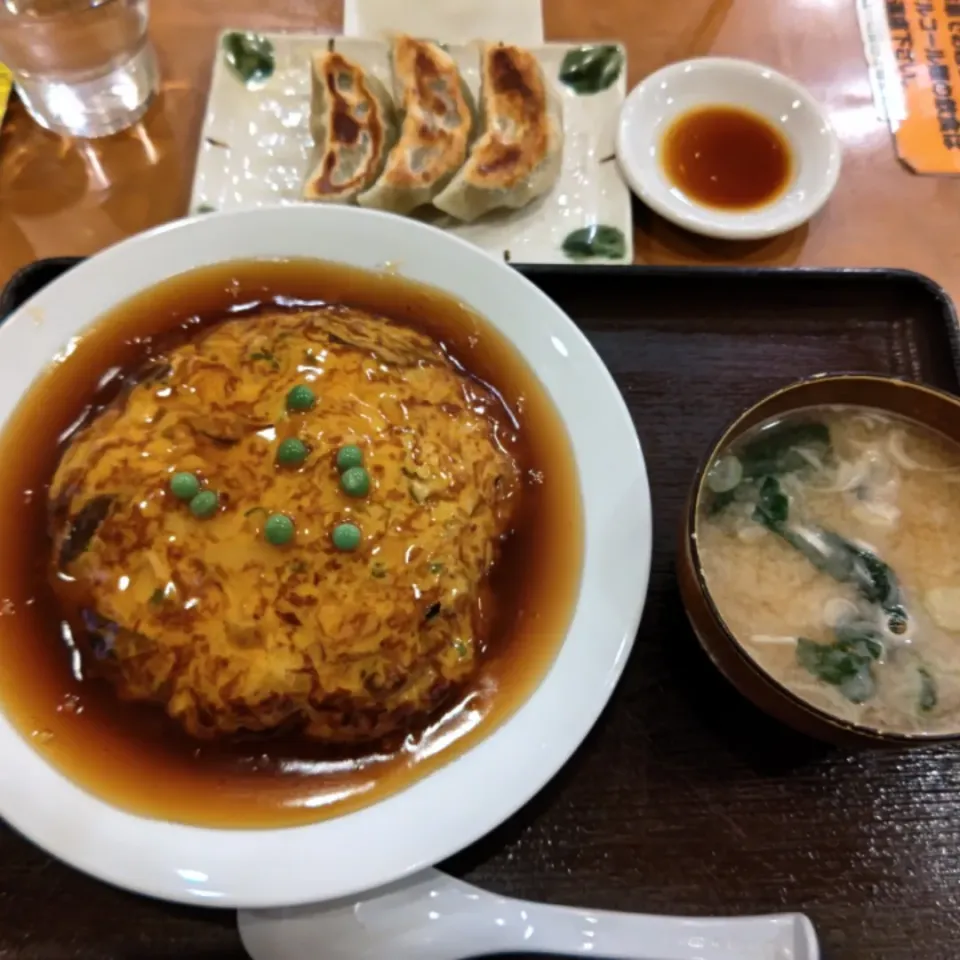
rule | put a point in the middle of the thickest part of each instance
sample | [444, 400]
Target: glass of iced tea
[83, 68]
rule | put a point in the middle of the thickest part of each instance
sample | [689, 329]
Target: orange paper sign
[925, 35]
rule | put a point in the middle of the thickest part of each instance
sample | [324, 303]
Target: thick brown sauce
[726, 157]
[133, 755]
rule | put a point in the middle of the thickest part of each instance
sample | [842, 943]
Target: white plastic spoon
[433, 916]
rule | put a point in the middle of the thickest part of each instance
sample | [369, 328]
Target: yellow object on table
[6, 84]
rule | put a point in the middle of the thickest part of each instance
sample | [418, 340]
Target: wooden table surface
[59, 197]
[888, 890]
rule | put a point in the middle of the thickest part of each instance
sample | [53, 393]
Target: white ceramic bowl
[457, 804]
[653, 105]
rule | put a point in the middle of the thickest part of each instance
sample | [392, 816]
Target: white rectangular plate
[255, 148]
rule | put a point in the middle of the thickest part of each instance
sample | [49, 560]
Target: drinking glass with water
[83, 68]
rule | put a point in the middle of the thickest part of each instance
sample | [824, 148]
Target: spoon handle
[542, 928]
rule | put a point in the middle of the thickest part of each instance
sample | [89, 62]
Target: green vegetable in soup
[877, 584]
[845, 664]
[777, 450]
[772, 507]
[860, 638]
[928, 691]
[834, 555]
[774, 453]
[825, 550]
[848, 563]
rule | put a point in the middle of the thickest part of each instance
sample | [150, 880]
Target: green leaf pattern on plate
[597, 240]
[593, 68]
[249, 56]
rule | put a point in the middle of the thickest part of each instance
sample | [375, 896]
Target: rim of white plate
[457, 804]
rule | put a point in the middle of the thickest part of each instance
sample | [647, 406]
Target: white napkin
[454, 21]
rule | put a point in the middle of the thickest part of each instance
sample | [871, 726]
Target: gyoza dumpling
[520, 152]
[353, 124]
[435, 132]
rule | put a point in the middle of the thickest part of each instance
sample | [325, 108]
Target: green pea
[291, 452]
[355, 482]
[184, 486]
[204, 504]
[349, 456]
[301, 397]
[278, 529]
[346, 537]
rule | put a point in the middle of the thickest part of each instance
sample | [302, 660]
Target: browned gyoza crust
[435, 132]
[519, 154]
[231, 633]
[514, 92]
[353, 126]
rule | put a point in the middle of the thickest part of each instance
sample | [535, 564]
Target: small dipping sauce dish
[727, 148]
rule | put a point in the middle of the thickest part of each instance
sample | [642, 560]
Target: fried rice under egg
[230, 633]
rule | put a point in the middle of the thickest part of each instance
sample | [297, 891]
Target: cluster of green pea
[292, 452]
[355, 482]
[279, 529]
[203, 504]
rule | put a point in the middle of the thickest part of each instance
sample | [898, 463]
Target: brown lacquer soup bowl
[816, 561]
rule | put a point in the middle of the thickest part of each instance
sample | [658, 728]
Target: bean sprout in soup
[830, 544]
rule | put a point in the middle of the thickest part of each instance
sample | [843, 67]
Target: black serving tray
[684, 798]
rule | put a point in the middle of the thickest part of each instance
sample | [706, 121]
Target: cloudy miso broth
[830, 545]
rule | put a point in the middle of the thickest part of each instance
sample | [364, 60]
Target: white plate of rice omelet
[328, 536]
